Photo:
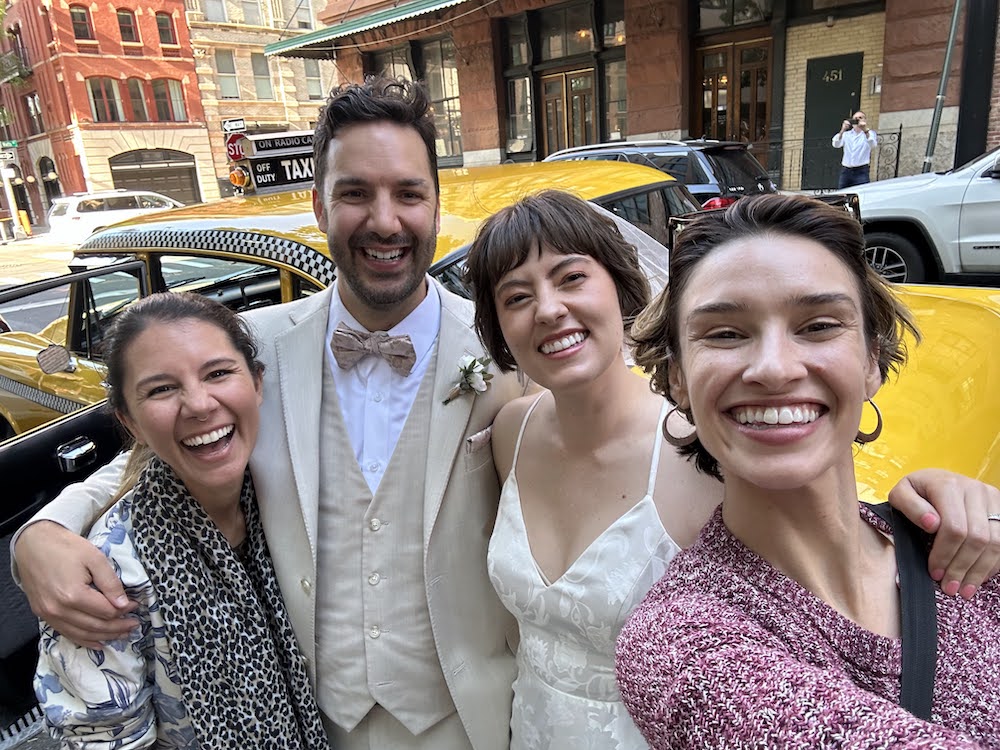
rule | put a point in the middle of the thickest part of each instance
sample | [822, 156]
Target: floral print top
[128, 695]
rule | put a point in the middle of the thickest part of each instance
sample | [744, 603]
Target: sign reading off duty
[278, 171]
[236, 125]
[6, 155]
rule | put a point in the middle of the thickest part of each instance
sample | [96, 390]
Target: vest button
[374, 631]
[375, 524]
[374, 578]
[306, 585]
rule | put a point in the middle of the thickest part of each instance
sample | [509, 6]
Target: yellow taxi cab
[247, 252]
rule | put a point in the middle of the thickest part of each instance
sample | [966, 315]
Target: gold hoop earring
[678, 442]
[867, 437]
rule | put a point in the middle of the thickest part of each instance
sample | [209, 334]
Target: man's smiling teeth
[776, 415]
[209, 437]
[551, 347]
[391, 254]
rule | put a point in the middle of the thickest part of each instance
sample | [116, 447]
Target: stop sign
[234, 146]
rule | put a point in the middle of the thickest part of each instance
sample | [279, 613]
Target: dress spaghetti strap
[520, 433]
[657, 444]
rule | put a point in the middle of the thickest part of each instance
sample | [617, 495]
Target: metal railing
[12, 66]
[814, 164]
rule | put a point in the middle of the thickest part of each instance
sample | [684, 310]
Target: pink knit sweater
[727, 652]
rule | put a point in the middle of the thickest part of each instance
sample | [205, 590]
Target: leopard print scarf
[237, 662]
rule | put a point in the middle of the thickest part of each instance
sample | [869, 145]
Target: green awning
[320, 43]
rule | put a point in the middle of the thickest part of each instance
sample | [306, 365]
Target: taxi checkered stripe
[48, 400]
[223, 242]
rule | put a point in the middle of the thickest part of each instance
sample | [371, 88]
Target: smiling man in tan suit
[377, 497]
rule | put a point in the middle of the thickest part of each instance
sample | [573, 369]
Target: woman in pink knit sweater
[780, 626]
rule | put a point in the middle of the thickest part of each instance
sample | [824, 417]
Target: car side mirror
[55, 358]
[995, 172]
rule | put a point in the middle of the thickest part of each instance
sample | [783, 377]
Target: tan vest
[374, 642]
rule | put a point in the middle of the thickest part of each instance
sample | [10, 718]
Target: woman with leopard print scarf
[213, 662]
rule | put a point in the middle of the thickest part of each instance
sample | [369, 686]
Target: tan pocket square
[478, 441]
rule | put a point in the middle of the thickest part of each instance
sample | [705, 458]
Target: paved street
[38, 257]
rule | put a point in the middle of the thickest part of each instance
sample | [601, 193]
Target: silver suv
[75, 217]
[942, 226]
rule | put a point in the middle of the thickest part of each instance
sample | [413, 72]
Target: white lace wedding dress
[565, 695]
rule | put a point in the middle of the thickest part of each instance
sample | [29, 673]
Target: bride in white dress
[594, 502]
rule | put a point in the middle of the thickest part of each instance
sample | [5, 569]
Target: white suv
[942, 227]
[73, 218]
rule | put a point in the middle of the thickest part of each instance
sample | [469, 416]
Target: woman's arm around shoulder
[505, 430]
[695, 672]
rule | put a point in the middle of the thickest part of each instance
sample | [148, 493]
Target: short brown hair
[378, 99]
[657, 330]
[567, 225]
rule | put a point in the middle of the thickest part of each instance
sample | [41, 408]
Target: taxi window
[58, 209]
[238, 284]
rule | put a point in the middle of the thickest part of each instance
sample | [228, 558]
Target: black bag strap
[919, 612]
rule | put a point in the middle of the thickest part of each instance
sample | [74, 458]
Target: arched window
[137, 99]
[105, 99]
[127, 26]
[82, 27]
[165, 26]
[168, 95]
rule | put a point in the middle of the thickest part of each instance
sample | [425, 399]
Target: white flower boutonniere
[473, 377]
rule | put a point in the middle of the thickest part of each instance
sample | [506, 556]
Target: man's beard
[374, 295]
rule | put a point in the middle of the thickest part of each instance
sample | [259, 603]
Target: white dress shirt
[374, 399]
[857, 147]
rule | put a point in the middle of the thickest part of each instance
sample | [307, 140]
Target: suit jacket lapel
[448, 421]
[301, 357]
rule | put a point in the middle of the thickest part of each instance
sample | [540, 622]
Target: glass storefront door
[735, 92]
[569, 109]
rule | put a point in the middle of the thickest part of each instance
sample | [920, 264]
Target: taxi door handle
[77, 454]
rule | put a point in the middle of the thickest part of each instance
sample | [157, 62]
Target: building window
[165, 27]
[215, 10]
[82, 28]
[169, 99]
[717, 14]
[615, 111]
[516, 50]
[565, 31]
[314, 82]
[127, 26]
[251, 12]
[394, 63]
[303, 15]
[105, 99]
[613, 23]
[17, 42]
[520, 126]
[261, 76]
[225, 68]
[137, 98]
[441, 75]
[33, 107]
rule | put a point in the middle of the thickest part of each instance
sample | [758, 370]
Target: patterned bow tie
[350, 345]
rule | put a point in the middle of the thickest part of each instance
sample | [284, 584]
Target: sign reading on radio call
[234, 146]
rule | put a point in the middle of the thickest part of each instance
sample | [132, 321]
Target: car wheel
[894, 257]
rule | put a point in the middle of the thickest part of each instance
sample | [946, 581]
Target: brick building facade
[523, 78]
[99, 97]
